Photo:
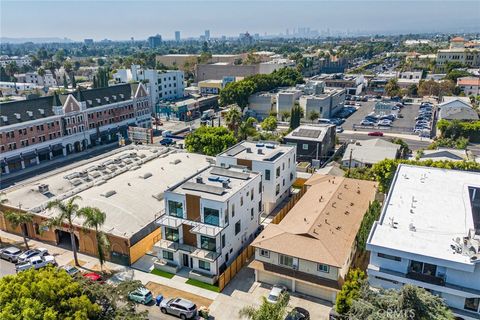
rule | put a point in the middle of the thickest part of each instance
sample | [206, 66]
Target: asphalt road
[6, 268]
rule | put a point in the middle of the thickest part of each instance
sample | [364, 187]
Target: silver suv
[182, 308]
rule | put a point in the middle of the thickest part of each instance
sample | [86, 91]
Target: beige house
[311, 249]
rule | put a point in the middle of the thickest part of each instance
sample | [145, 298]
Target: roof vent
[358, 143]
[259, 151]
[411, 227]
[146, 175]
[249, 150]
[199, 180]
[109, 193]
[225, 184]
[18, 116]
[43, 188]
[176, 161]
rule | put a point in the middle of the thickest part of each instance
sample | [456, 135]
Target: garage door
[315, 291]
[274, 279]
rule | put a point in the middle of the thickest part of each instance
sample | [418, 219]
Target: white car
[367, 123]
[358, 104]
[339, 129]
[275, 293]
[71, 270]
[11, 254]
[32, 253]
[385, 123]
[36, 263]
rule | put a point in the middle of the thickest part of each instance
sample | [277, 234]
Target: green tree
[350, 290]
[41, 72]
[17, 219]
[269, 123]
[94, 219]
[313, 115]
[455, 74]
[65, 82]
[10, 69]
[60, 56]
[392, 88]
[267, 311]
[295, 117]
[247, 128]
[404, 149]
[210, 140]
[412, 90]
[233, 118]
[74, 81]
[372, 214]
[285, 115]
[65, 212]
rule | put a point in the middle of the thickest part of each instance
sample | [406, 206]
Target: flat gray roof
[250, 151]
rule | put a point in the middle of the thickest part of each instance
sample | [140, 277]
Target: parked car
[358, 104]
[166, 141]
[36, 263]
[376, 134]
[385, 123]
[367, 123]
[390, 117]
[71, 270]
[93, 277]
[339, 129]
[11, 254]
[298, 313]
[141, 295]
[32, 253]
[179, 307]
[275, 293]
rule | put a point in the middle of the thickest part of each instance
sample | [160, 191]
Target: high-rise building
[154, 41]
[177, 36]
[207, 34]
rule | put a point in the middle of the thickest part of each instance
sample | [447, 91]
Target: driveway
[244, 291]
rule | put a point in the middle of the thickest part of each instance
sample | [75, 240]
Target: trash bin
[158, 299]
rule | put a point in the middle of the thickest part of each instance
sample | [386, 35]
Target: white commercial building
[325, 104]
[276, 163]
[19, 61]
[428, 235]
[210, 218]
[161, 85]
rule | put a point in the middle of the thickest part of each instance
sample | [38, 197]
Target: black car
[298, 313]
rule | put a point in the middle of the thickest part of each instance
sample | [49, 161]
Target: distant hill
[35, 40]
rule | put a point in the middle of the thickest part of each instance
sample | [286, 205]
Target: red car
[376, 134]
[93, 277]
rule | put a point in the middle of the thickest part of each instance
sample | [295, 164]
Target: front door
[185, 260]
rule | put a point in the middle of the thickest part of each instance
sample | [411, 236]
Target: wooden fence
[283, 212]
[235, 267]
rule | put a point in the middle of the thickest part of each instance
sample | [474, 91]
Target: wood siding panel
[188, 237]
[140, 248]
[245, 162]
[193, 207]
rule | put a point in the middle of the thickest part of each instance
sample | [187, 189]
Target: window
[277, 189]
[241, 201]
[171, 234]
[226, 216]
[283, 166]
[251, 194]
[472, 304]
[278, 172]
[323, 268]
[237, 227]
[260, 206]
[204, 265]
[267, 175]
[208, 243]
[291, 176]
[305, 146]
[425, 268]
[233, 210]
[223, 241]
[167, 255]
[264, 253]
[389, 257]
[260, 187]
[175, 209]
[211, 216]
[286, 261]
[251, 214]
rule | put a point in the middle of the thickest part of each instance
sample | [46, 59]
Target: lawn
[203, 285]
[162, 273]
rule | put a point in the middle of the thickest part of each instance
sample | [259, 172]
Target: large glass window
[211, 216]
[208, 243]
[167, 255]
[237, 228]
[286, 261]
[472, 304]
[425, 268]
[175, 208]
[267, 174]
[171, 234]
[204, 265]
[323, 268]
[278, 172]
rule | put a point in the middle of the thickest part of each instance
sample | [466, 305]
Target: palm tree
[267, 311]
[67, 212]
[285, 115]
[17, 219]
[94, 219]
[246, 128]
[233, 119]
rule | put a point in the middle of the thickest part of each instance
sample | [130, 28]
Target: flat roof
[250, 151]
[310, 132]
[371, 151]
[128, 188]
[426, 210]
[215, 183]
[323, 224]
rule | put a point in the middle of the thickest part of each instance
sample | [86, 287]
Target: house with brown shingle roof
[311, 249]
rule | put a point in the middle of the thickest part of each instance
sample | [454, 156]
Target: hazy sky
[123, 19]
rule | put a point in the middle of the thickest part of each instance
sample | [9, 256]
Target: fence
[235, 267]
[283, 212]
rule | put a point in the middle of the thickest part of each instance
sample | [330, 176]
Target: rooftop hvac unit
[146, 175]
[43, 188]
[110, 193]
[249, 150]
[259, 151]
[225, 184]
[199, 180]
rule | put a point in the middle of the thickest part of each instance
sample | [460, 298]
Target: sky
[122, 19]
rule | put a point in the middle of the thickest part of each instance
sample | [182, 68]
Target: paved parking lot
[401, 125]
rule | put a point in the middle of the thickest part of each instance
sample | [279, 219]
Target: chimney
[259, 151]
[249, 150]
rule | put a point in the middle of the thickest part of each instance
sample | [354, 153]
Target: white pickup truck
[36, 262]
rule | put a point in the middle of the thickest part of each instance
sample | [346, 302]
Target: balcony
[198, 226]
[193, 251]
[439, 281]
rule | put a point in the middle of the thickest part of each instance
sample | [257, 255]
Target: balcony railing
[192, 250]
[439, 281]
[198, 226]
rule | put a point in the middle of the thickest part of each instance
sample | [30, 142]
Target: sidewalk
[64, 256]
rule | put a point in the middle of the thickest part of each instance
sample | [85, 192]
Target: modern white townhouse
[209, 219]
[276, 163]
[428, 235]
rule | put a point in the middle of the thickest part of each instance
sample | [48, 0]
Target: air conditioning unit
[43, 188]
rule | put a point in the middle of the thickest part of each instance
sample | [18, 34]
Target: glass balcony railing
[439, 281]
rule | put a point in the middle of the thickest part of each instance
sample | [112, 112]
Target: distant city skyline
[121, 20]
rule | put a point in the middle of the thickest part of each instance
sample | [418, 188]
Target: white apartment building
[20, 61]
[276, 163]
[428, 235]
[161, 85]
[209, 219]
[48, 80]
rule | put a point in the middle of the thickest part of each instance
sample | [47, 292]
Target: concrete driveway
[244, 291]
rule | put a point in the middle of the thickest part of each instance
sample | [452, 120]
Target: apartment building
[41, 129]
[19, 61]
[161, 84]
[47, 80]
[325, 104]
[276, 163]
[210, 217]
[428, 235]
[313, 142]
[311, 249]
[469, 85]
[459, 51]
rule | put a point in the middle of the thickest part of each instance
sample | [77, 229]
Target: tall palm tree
[67, 212]
[94, 219]
[233, 118]
[17, 219]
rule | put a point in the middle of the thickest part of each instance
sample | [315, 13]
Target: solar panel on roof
[307, 133]
[203, 188]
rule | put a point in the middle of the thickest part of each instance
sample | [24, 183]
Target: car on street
[11, 254]
[71, 270]
[93, 277]
[376, 134]
[141, 295]
[339, 129]
[275, 293]
[36, 263]
[166, 141]
[185, 309]
[367, 123]
[32, 253]
[298, 313]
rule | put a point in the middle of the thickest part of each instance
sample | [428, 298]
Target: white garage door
[315, 291]
[274, 279]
